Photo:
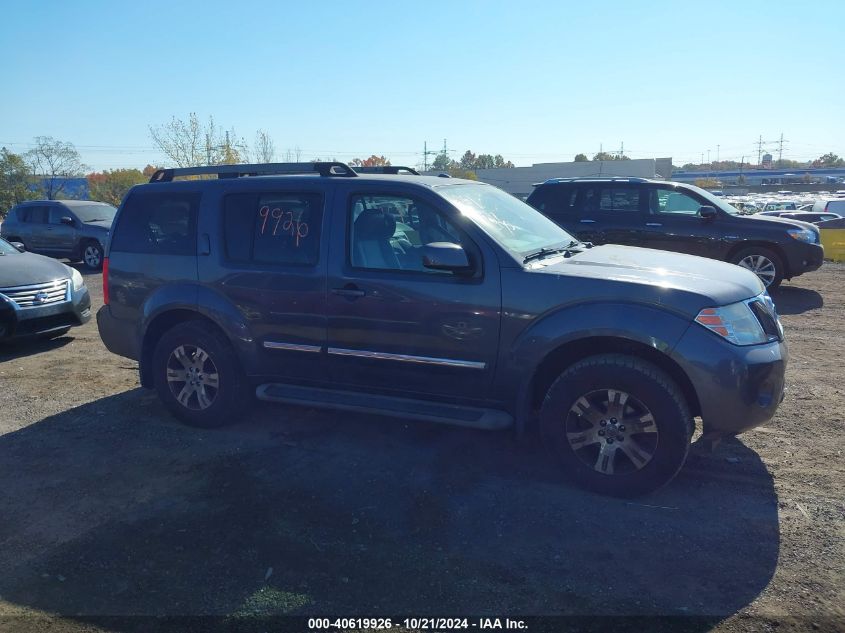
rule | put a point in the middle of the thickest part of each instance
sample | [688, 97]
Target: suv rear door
[33, 224]
[610, 213]
[395, 326]
[266, 268]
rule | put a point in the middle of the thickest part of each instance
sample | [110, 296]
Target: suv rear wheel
[198, 377]
[617, 424]
[762, 262]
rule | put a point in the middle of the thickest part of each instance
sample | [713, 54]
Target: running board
[476, 418]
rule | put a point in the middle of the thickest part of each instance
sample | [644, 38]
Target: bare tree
[265, 149]
[191, 143]
[54, 162]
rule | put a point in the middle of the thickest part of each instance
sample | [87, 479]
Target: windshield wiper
[544, 252]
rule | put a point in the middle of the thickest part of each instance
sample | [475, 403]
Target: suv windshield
[520, 229]
[95, 212]
[6, 248]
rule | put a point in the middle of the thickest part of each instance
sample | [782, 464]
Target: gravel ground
[110, 507]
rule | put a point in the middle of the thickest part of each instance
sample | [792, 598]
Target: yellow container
[833, 241]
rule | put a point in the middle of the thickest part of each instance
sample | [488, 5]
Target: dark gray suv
[75, 229]
[433, 299]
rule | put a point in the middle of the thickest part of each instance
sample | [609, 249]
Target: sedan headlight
[803, 235]
[76, 278]
[735, 322]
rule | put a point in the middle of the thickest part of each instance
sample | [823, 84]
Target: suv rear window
[273, 228]
[158, 223]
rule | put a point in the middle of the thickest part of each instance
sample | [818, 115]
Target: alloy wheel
[611, 431]
[92, 256]
[761, 266]
[192, 377]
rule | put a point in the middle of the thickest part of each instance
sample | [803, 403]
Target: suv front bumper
[803, 258]
[738, 387]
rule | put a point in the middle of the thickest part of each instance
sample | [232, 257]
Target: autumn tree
[14, 181]
[111, 185]
[372, 161]
[265, 149]
[192, 143]
[53, 163]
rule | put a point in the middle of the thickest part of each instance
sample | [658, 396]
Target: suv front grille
[37, 295]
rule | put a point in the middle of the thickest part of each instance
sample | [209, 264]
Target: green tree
[53, 162]
[111, 186]
[829, 160]
[581, 158]
[14, 181]
[468, 160]
[608, 156]
[442, 162]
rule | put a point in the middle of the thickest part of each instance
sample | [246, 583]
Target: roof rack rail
[332, 168]
[387, 169]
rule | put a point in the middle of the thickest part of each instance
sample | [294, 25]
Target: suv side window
[158, 223]
[34, 215]
[273, 228]
[387, 232]
[554, 200]
[669, 200]
[56, 213]
[615, 199]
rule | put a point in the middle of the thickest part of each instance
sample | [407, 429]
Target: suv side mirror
[66, 219]
[19, 246]
[707, 212]
[445, 256]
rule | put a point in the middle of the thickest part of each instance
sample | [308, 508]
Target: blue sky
[534, 81]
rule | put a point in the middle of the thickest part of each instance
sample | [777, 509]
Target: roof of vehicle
[67, 203]
[552, 181]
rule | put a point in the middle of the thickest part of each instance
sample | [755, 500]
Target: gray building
[519, 180]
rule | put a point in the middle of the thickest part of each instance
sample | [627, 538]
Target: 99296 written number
[277, 218]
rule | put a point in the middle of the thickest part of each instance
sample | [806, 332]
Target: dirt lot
[109, 507]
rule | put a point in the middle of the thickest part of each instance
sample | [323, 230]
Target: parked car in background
[39, 297]
[830, 205]
[785, 205]
[679, 217]
[434, 299]
[74, 229]
[811, 216]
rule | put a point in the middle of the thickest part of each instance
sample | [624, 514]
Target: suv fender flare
[573, 330]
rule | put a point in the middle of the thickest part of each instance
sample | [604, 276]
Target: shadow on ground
[112, 509]
[795, 300]
[31, 346]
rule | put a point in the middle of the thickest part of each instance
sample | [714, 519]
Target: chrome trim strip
[51, 287]
[293, 347]
[425, 360]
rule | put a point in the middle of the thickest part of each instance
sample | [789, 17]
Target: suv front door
[59, 237]
[674, 224]
[396, 326]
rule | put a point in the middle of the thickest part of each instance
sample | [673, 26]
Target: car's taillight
[106, 281]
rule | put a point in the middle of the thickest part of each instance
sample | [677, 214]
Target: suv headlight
[76, 278]
[803, 235]
[735, 322]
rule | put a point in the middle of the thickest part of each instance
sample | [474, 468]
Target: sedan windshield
[518, 228]
[95, 212]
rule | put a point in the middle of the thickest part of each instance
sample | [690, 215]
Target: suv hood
[786, 223]
[652, 275]
[22, 269]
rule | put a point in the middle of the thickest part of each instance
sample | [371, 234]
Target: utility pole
[717, 153]
[759, 149]
[622, 150]
[426, 154]
[780, 150]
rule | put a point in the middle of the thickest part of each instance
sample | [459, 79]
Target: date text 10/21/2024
[418, 624]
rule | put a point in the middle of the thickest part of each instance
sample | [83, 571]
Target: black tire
[92, 255]
[229, 400]
[645, 386]
[751, 256]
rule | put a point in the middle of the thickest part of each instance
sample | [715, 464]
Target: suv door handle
[653, 224]
[588, 221]
[349, 290]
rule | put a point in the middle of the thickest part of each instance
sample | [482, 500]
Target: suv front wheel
[762, 262]
[198, 377]
[617, 424]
